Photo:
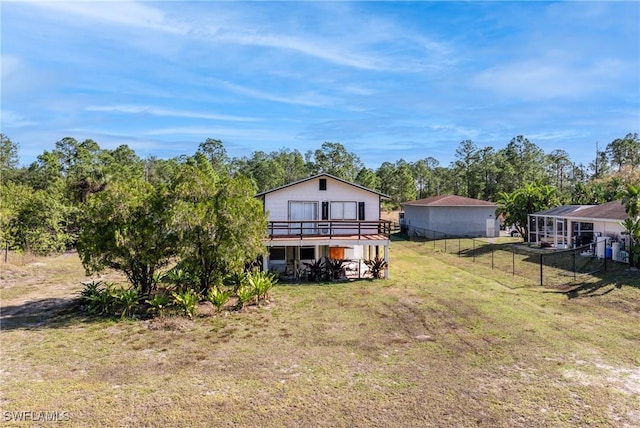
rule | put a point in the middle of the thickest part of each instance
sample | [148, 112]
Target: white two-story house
[323, 216]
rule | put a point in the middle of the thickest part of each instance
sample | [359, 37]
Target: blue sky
[388, 80]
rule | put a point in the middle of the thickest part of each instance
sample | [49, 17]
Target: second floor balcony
[329, 229]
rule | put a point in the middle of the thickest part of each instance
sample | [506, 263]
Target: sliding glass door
[302, 210]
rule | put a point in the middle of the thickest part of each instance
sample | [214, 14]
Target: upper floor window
[323, 184]
[344, 211]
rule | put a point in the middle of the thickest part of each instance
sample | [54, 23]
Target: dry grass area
[444, 342]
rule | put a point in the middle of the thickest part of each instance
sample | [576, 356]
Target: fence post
[458, 247]
[513, 260]
[474, 249]
[574, 264]
[605, 257]
[541, 263]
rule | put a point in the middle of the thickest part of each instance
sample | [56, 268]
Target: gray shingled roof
[449, 201]
[613, 210]
[563, 211]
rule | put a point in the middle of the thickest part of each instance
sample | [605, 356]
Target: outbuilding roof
[449, 201]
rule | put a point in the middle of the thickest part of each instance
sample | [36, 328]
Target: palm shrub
[316, 269]
[235, 280]
[218, 297]
[187, 300]
[90, 289]
[376, 266]
[125, 300]
[158, 304]
[179, 277]
[245, 294]
[96, 298]
[335, 267]
[261, 282]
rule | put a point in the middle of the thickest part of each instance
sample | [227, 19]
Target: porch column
[386, 259]
[265, 261]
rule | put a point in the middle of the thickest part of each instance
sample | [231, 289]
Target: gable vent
[323, 184]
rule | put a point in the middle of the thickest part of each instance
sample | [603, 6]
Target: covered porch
[553, 228]
[291, 254]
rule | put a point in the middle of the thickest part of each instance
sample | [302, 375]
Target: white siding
[276, 203]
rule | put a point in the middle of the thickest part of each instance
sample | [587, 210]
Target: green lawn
[444, 342]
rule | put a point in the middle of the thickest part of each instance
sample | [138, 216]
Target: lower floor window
[307, 253]
[277, 253]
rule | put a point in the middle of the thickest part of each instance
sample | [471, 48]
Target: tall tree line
[41, 204]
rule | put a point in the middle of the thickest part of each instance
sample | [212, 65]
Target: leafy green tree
[216, 154]
[446, 181]
[334, 159]
[397, 181]
[424, 175]
[122, 163]
[386, 176]
[32, 220]
[45, 172]
[160, 171]
[631, 202]
[488, 171]
[520, 162]
[8, 158]
[265, 171]
[367, 178]
[405, 184]
[600, 166]
[466, 167]
[126, 227]
[625, 151]
[580, 195]
[558, 169]
[517, 205]
[11, 197]
[220, 223]
[292, 163]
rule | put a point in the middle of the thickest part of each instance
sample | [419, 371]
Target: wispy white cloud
[10, 64]
[401, 76]
[11, 119]
[308, 98]
[323, 49]
[541, 79]
[374, 44]
[210, 130]
[156, 111]
[118, 12]
[359, 90]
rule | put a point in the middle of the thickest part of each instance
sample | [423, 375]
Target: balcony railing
[329, 229]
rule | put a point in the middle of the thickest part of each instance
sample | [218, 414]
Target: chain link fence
[538, 266]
